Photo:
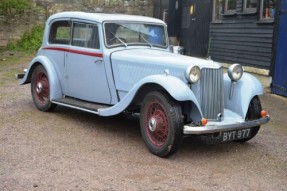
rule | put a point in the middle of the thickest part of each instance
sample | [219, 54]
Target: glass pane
[63, 32]
[268, 11]
[231, 5]
[85, 35]
[60, 33]
[135, 34]
[251, 3]
[218, 10]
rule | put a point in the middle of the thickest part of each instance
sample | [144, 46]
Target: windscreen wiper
[145, 40]
[119, 39]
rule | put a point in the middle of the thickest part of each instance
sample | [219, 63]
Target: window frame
[229, 11]
[250, 10]
[93, 25]
[261, 12]
[135, 44]
[217, 16]
[52, 39]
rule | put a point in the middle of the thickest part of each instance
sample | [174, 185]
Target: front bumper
[217, 127]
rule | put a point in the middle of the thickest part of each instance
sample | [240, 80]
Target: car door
[86, 75]
[59, 42]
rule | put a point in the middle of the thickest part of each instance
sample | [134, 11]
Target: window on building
[60, 32]
[217, 10]
[250, 6]
[230, 6]
[85, 35]
[267, 9]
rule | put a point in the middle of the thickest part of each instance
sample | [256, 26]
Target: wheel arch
[244, 91]
[177, 89]
[55, 86]
[146, 89]
[28, 75]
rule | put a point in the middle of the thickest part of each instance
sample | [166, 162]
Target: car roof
[102, 17]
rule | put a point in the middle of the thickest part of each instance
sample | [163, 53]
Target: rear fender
[55, 87]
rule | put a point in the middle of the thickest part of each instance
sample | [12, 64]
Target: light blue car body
[115, 76]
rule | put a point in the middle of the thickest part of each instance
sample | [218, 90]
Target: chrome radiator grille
[211, 92]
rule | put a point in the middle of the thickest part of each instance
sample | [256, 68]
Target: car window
[60, 32]
[85, 35]
[135, 34]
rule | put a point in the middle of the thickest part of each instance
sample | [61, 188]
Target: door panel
[196, 18]
[59, 40]
[86, 77]
[86, 74]
[279, 83]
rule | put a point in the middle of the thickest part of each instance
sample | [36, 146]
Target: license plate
[236, 135]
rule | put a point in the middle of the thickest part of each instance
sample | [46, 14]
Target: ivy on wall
[29, 41]
[10, 7]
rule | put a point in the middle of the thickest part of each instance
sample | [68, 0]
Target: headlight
[192, 74]
[235, 72]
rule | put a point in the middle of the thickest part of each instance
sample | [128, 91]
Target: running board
[80, 105]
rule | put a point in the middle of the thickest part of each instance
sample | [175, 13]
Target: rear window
[60, 32]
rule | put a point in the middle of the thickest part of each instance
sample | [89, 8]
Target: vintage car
[109, 63]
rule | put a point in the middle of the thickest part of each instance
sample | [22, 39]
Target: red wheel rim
[156, 123]
[41, 88]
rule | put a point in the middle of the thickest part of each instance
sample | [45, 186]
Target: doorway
[196, 19]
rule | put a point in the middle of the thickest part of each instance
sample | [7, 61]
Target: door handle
[97, 61]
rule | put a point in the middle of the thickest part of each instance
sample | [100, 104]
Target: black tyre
[161, 124]
[40, 89]
[254, 112]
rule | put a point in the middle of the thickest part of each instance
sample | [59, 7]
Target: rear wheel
[161, 124]
[40, 89]
[254, 112]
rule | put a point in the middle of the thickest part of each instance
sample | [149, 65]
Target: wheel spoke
[42, 84]
[156, 111]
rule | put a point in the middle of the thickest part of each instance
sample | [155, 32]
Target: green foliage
[10, 7]
[30, 41]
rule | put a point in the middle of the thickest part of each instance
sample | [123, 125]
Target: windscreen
[128, 34]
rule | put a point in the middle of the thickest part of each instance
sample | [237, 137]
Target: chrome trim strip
[220, 128]
[76, 107]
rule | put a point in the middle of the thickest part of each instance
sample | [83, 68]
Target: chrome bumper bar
[224, 127]
[20, 76]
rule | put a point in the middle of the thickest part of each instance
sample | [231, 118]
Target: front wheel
[161, 124]
[40, 89]
[254, 112]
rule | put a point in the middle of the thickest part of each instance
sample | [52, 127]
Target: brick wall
[11, 28]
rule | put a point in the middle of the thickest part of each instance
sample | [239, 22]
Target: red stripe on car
[75, 51]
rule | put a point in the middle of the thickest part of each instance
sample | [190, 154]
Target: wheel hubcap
[152, 124]
[39, 87]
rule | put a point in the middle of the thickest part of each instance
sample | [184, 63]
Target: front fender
[174, 86]
[244, 90]
[55, 87]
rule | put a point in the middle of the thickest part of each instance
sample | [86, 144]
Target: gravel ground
[73, 150]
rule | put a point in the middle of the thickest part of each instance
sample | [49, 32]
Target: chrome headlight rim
[235, 72]
[192, 74]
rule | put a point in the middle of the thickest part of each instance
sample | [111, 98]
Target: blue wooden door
[279, 82]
